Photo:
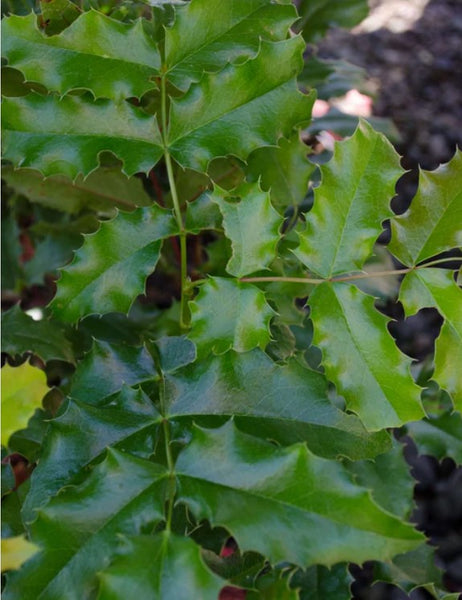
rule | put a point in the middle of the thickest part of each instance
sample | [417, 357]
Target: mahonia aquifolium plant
[256, 402]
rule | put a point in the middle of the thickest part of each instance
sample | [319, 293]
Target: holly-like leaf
[78, 529]
[317, 16]
[34, 125]
[285, 403]
[240, 108]
[110, 269]
[252, 225]
[45, 338]
[436, 288]
[439, 437]
[228, 314]
[433, 222]
[22, 391]
[350, 204]
[284, 171]
[15, 551]
[317, 514]
[103, 189]
[96, 53]
[57, 15]
[361, 357]
[192, 47]
[158, 567]
[320, 583]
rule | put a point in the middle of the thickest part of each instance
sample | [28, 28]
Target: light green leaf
[103, 189]
[34, 126]
[106, 368]
[57, 15]
[285, 403]
[158, 567]
[284, 171]
[252, 225]
[96, 53]
[110, 269]
[15, 551]
[317, 16]
[361, 357]
[350, 204]
[433, 222]
[439, 437]
[78, 530]
[45, 338]
[192, 47]
[228, 314]
[22, 391]
[240, 108]
[436, 288]
[317, 514]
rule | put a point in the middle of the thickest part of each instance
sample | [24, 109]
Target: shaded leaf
[361, 357]
[57, 15]
[252, 225]
[350, 204]
[158, 567]
[109, 58]
[45, 338]
[228, 314]
[433, 222]
[317, 16]
[320, 583]
[22, 391]
[317, 514]
[436, 288]
[15, 551]
[202, 214]
[439, 437]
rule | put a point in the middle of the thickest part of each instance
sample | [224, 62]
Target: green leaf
[284, 171]
[78, 529]
[317, 514]
[103, 189]
[34, 125]
[240, 108]
[439, 437]
[436, 288]
[317, 16]
[22, 391]
[12, 269]
[109, 58]
[252, 225]
[106, 368]
[202, 214]
[285, 403]
[57, 15]
[110, 269]
[361, 358]
[350, 204]
[228, 314]
[45, 338]
[159, 567]
[82, 433]
[320, 583]
[15, 551]
[192, 47]
[433, 222]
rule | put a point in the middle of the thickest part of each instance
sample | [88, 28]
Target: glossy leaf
[320, 583]
[34, 125]
[361, 358]
[82, 432]
[350, 204]
[318, 515]
[79, 529]
[433, 222]
[285, 403]
[15, 551]
[439, 437]
[317, 16]
[45, 338]
[109, 58]
[436, 288]
[240, 108]
[22, 391]
[158, 567]
[192, 47]
[252, 225]
[110, 269]
[228, 314]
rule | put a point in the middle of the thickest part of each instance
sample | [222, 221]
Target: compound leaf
[96, 53]
[361, 357]
[110, 269]
[436, 288]
[228, 314]
[252, 225]
[317, 514]
[433, 222]
[350, 204]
